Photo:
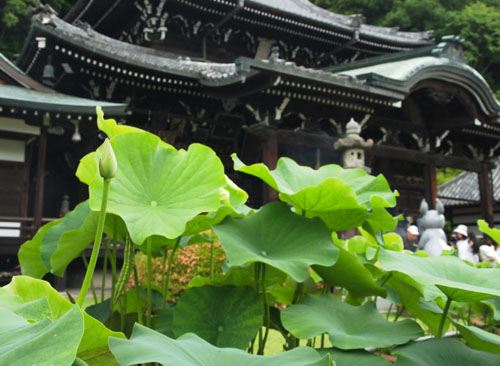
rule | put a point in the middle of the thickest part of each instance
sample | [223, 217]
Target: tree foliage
[15, 22]
[478, 22]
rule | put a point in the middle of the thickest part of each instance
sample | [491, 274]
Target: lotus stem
[389, 311]
[137, 295]
[267, 313]
[92, 287]
[97, 244]
[105, 266]
[212, 260]
[169, 271]
[114, 272]
[398, 314]
[443, 318]
[149, 281]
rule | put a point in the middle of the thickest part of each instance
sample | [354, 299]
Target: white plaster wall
[10, 233]
[12, 150]
[18, 125]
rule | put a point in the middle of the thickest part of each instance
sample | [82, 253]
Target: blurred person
[488, 252]
[410, 240]
[471, 252]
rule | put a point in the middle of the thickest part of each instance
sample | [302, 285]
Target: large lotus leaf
[443, 352]
[491, 232]
[348, 327]
[457, 280]
[71, 221]
[72, 243]
[240, 276]
[29, 254]
[350, 273]
[110, 127]
[158, 189]
[278, 237]
[146, 345]
[205, 222]
[494, 305]
[410, 298]
[354, 358]
[224, 316]
[33, 311]
[379, 219]
[478, 338]
[339, 196]
[43, 343]
[95, 337]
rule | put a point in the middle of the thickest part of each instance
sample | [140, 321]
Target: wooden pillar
[269, 158]
[40, 178]
[486, 194]
[430, 182]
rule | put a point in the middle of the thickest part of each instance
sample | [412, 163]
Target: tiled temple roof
[463, 190]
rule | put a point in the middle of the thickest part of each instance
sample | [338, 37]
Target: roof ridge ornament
[451, 47]
[38, 8]
[43, 12]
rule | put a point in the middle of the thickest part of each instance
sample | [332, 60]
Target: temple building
[41, 143]
[275, 78]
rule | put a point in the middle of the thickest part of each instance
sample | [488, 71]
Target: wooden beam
[40, 178]
[297, 138]
[269, 158]
[486, 194]
[430, 185]
[419, 157]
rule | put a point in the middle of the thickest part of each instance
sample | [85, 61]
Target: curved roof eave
[209, 74]
[19, 97]
[403, 75]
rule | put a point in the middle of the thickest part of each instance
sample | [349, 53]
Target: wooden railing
[26, 226]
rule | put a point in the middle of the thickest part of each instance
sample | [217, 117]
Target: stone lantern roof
[353, 140]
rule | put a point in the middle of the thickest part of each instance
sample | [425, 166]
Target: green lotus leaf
[71, 221]
[393, 241]
[224, 316]
[455, 279]
[110, 127]
[411, 300]
[341, 197]
[164, 320]
[29, 255]
[158, 189]
[348, 327]
[478, 338]
[95, 336]
[494, 306]
[44, 343]
[442, 352]
[278, 237]
[240, 276]
[354, 358]
[72, 243]
[348, 272]
[491, 232]
[146, 345]
[205, 222]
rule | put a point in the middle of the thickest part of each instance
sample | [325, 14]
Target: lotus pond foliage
[286, 271]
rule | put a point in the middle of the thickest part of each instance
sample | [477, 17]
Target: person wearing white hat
[463, 247]
[410, 240]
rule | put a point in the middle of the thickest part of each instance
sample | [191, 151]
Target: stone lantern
[353, 147]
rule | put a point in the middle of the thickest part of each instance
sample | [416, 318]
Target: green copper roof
[18, 97]
[444, 62]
